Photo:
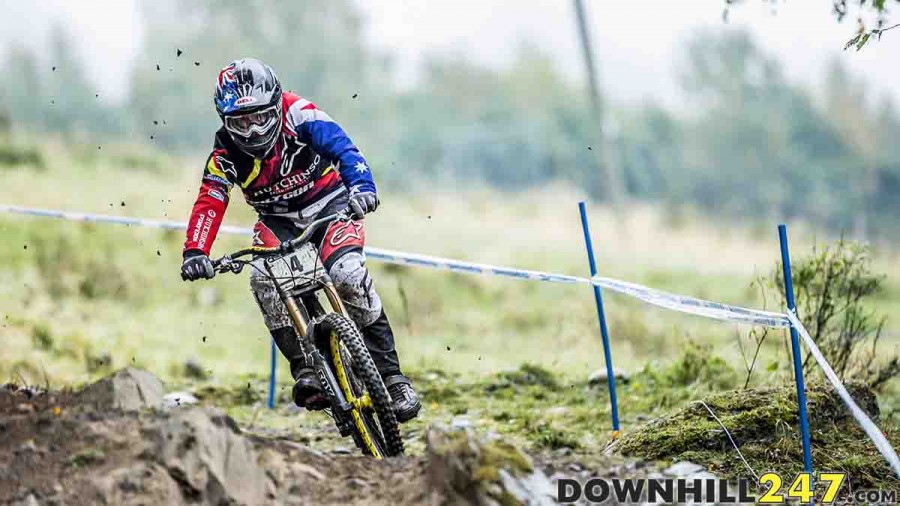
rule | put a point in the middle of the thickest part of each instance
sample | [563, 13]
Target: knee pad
[354, 285]
[274, 311]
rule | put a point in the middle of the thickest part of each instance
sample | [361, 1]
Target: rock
[598, 377]
[341, 450]
[203, 450]
[356, 483]
[128, 389]
[307, 470]
[682, 469]
[143, 483]
[30, 500]
[534, 488]
[465, 469]
[179, 399]
[26, 448]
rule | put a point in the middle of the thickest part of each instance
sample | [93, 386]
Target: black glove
[197, 266]
[363, 203]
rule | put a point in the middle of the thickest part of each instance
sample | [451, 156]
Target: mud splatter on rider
[293, 163]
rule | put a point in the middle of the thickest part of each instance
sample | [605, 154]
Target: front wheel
[375, 428]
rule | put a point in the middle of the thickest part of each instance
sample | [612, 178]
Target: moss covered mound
[764, 424]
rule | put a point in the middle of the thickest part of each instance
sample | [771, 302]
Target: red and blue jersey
[312, 162]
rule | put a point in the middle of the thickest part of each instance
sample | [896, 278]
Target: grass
[78, 300]
[763, 423]
[116, 290]
[548, 414]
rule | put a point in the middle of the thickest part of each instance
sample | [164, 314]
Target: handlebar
[227, 262]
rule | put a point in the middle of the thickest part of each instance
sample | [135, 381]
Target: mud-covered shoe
[307, 391]
[406, 402]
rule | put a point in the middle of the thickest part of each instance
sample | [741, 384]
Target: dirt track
[116, 442]
[54, 450]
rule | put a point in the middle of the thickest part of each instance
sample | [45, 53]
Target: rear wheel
[375, 428]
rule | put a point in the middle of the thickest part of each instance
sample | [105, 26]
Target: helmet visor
[252, 124]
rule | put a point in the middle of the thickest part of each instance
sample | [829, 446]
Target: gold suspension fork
[334, 299]
[301, 324]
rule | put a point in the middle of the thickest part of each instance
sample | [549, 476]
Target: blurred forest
[749, 144]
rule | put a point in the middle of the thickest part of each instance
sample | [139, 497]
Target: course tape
[700, 307]
[659, 298]
[875, 434]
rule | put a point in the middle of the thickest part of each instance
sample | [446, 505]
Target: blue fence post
[272, 375]
[604, 333]
[795, 345]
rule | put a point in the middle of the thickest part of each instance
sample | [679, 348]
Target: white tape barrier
[875, 434]
[118, 220]
[656, 297]
[692, 305]
[659, 298]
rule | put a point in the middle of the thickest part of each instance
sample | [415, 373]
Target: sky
[638, 44]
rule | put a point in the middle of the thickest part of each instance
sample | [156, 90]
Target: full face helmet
[248, 99]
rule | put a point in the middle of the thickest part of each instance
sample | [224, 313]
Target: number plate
[296, 269]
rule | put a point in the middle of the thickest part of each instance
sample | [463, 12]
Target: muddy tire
[379, 420]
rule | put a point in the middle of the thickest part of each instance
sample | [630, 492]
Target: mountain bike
[359, 402]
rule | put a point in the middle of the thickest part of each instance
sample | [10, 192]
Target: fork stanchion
[601, 315]
[795, 345]
[272, 375]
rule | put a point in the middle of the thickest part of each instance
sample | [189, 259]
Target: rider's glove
[196, 266]
[363, 203]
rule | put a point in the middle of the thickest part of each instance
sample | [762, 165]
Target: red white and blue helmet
[248, 99]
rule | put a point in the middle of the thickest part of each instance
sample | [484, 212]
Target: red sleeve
[209, 208]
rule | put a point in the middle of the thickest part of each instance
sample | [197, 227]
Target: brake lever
[222, 264]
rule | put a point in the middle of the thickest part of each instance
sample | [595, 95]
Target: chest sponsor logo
[284, 196]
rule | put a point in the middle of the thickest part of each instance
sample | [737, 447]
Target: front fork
[305, 328]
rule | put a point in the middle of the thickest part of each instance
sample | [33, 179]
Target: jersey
[312, 162]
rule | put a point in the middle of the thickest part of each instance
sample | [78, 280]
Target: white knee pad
[353, 283]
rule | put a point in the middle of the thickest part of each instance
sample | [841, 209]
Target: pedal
[316, 403]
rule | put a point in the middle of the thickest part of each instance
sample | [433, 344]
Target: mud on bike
[359, 401]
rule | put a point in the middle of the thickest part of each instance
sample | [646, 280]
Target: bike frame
[335, 382]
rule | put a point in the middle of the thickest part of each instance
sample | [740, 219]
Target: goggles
[254, 123]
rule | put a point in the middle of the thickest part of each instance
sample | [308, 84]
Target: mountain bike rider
[293, 163]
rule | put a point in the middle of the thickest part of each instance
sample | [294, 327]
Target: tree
[757, 145]
[315, 47]
[877, 9]
[21, 89]
[60, 98]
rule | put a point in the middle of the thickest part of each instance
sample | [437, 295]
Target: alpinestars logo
[350, 230]
[289, 151]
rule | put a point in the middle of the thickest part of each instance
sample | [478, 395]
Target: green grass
[74, 292]
[77, 300]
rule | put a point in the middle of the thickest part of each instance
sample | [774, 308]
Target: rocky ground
[122, 441]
